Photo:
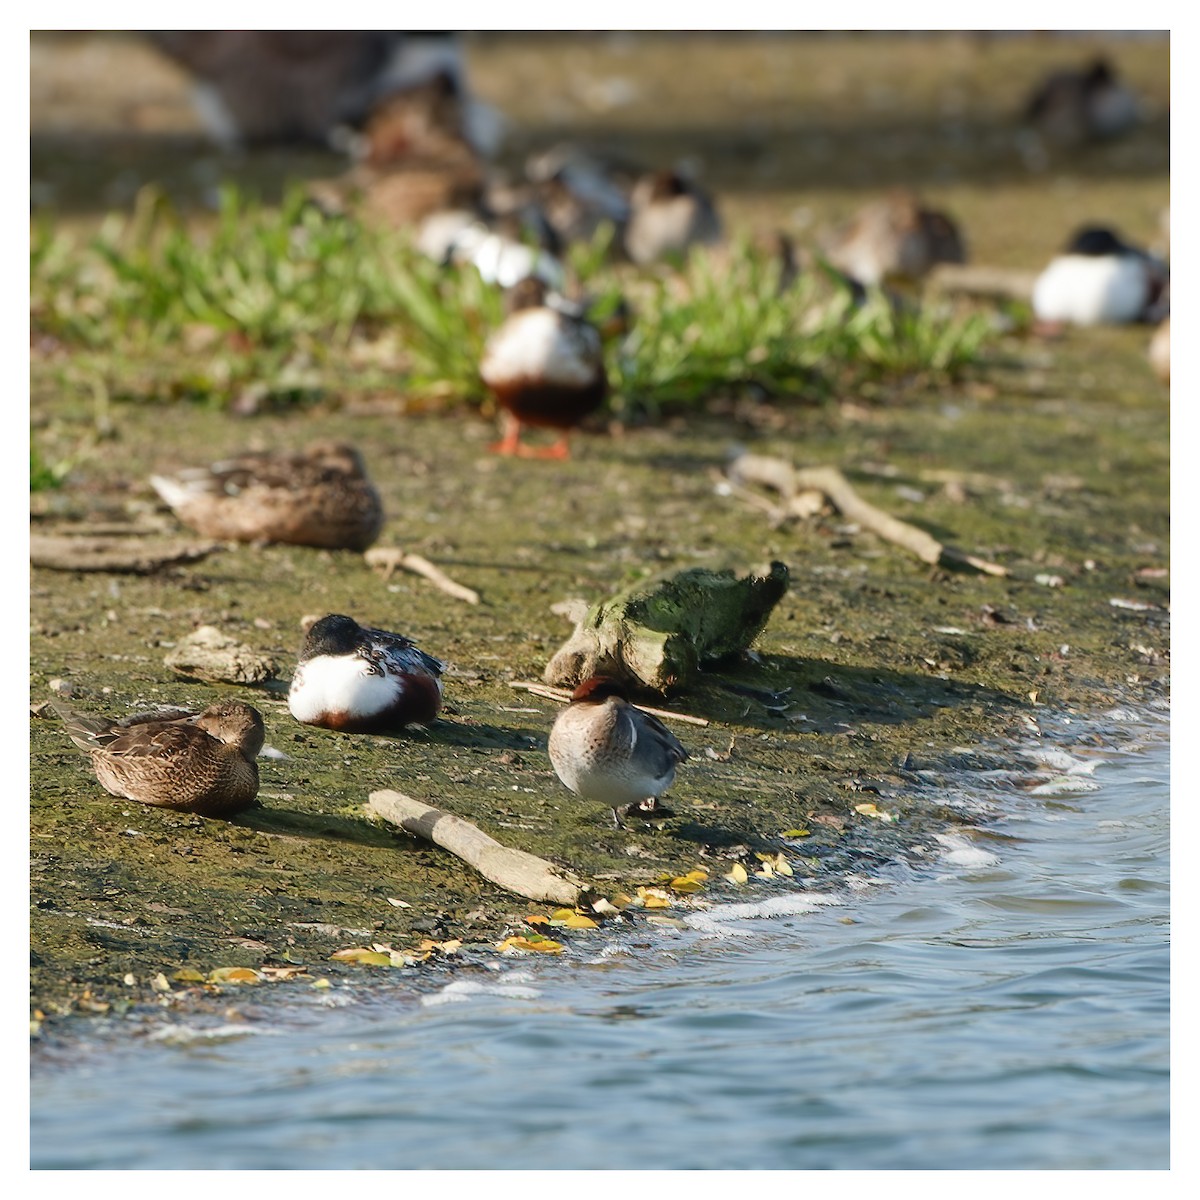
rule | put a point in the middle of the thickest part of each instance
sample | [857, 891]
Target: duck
[319, 496]
[605, 749]
[668, 214]
[578, 192]
[355, 679]
[259, 86]
[1098, 279]
[1073, 107]
[896, 240]
[545, 366]
[199, 762]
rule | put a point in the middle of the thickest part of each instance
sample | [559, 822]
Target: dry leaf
[534, 944]
[188, 975]
[737, 874]
[360, 954]
[869, 810]
[650, 897]
[234, 975]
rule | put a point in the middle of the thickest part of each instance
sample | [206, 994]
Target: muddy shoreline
[1050, 458]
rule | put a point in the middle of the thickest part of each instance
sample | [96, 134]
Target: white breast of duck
[360, 680]
[545, 345]
[1098, 280]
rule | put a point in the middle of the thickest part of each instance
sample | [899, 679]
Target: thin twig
[563, 697]
[391, 557]
[788, 481]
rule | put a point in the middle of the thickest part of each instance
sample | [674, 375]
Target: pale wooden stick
[563, 697]
[789, 480]
[514, 870]
[391, 557]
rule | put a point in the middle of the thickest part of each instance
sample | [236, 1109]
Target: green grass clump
[294, 303]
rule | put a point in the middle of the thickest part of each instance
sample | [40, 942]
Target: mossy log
[657, 636]
[516, 871]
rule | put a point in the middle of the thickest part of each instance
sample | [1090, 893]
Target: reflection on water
[1006, 1010]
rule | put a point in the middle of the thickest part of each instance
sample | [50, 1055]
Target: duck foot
[645, 810]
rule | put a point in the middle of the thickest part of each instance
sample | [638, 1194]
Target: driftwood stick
[563, 696]
[972, 279]
[789, 481]
[514, 870]
[391, 557]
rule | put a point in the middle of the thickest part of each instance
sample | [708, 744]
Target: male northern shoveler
[668, 214]
[1098, 280]
[605, 749]
[315, 497]
[896, 239]
[359, 680]
[545, 366]
[192, 762]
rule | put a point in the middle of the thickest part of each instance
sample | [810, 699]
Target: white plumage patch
[338, 684]
[1086, 290]
[537, 343]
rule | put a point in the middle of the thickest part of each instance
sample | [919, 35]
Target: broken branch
[563, 697]
[392, 557]
[790, 481]
[514, 870]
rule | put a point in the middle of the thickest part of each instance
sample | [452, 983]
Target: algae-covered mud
[1049, 458]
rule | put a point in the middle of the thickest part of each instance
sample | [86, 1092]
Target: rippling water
[1006, 1009]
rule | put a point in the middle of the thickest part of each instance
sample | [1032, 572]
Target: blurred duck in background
[319, 496]
[545, 366]
[895, 240]
[1073, 107]
[256, 86]
[668, 214]
[1099, 279]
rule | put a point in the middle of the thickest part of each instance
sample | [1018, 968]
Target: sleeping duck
[316, 497]
[1098, 279]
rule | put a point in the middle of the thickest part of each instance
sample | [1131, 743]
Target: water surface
[1002, 1004]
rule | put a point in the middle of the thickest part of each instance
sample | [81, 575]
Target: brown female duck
[315, 497]
[191, 762]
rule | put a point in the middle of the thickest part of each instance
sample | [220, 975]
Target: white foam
[962, 852]
[467, 989]
[712, 920]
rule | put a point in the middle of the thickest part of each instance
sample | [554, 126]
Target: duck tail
[88, 733]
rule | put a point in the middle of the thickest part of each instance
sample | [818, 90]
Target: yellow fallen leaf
[562, 914]
[782, 866]
[686, 885]
[537, 920]
[539, 945]
[233, 975]
[622, 900]
[447, 947]
[321, 983]
[737, 874]
[579, 921]
[796, 833]
[699, 875]
[187, 975]
[277, 973]
[870, 810]
[653, 898]
[360, 954]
